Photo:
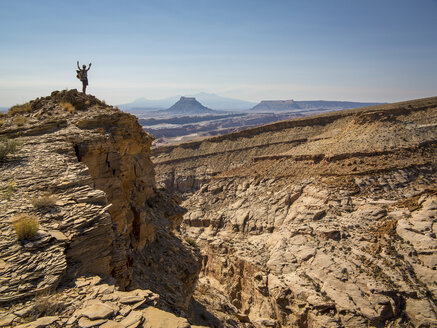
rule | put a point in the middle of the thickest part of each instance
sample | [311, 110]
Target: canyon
[320, 221]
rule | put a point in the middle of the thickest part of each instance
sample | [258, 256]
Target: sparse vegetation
[46, 305]
[8, 146]
[191, 241]
[25, 226]
[68, 107]
[9, 190]
[20, 120]
[46, 200]
[20, 109]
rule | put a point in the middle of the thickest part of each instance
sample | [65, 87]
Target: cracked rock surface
[337, 230]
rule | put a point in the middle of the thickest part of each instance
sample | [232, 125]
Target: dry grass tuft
[68, 107]
[46, 200]
[25, 226]
[20, 120]
[20, 109]
[46, 305]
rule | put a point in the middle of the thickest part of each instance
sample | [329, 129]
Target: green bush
[190, 241]
[25, 226]
[8, 146]
[9, 190]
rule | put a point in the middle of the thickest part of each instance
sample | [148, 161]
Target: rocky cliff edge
[83, 171]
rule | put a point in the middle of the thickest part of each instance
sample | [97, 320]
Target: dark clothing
[82, 75]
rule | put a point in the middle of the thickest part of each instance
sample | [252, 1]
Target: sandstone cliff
[106, 216]
[326, 221]
[185, 167]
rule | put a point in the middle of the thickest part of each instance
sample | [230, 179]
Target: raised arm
[88, 67]
[78, 65]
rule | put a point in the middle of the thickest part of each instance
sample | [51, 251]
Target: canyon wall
[326, 221]
[185, 167]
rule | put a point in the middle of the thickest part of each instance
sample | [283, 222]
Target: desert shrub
[8, 146]
[20, 109]
[25, 226]
[2, 122]
[68, 107]
[46, 200]
[46, 305]
[190, 241]
[9, 190]
[20, 120]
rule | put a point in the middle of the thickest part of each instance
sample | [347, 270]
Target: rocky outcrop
[93, 302]
[338, 230]
[107, 217]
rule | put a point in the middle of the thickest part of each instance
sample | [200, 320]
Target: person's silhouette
[82, 75]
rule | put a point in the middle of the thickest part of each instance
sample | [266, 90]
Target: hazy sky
[362, 50]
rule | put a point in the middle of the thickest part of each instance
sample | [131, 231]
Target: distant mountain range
[291, 105]
[210, 100]
[188, 105]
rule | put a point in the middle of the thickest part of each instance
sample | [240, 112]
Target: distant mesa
[276, 105]
[209, 100]
[188, 105]
[291, 105]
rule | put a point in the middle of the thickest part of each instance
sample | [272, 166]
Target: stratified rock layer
[328, 221]
[186, 167]
[108, 218]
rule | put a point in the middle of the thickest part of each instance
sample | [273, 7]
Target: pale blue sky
[364, 50]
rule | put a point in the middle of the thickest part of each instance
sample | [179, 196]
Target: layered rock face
[328, 221]
[185, 167]
[107, 217]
